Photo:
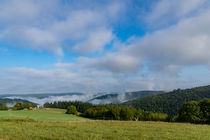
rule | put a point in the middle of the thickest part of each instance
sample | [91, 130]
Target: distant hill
[95, 98]
[106, 96]
[169, 102]
[11, 102]
[38, 96]
[119, 98]
[42, 98]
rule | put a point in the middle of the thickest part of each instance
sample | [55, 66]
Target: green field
[45, 114]
[68, 127]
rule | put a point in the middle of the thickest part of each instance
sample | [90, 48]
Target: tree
[127, 113]
[72, 110]
[29, 105]
[21, 106]
[18, 106]
[115, 112]
[190, 112]
[205, 110]
[139, 115]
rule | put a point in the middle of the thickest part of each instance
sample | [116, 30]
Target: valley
[31, 126]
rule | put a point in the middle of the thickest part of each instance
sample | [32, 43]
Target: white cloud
[168, 50]
[18, 11]
[25, 80]
[43, 25]
[116, 63]
[87, 29]
[183, 44]
[95, 41]
[165, 11]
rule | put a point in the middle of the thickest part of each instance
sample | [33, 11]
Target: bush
[158, 117]
[150, 116]
[3, 107]
[72, 110]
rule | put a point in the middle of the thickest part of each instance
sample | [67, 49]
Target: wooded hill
[116, 98]
[7, 101]
[169, 102]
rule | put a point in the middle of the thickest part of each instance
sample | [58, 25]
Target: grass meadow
[44, 114]
[53, 124]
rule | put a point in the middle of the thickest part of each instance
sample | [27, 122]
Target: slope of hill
[106, 96]
[170, 102]
[119, 98]
[43, 114]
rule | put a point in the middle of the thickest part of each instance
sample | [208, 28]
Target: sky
[103, 45]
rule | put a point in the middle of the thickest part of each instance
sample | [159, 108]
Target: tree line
[111, 112]
[106, 112]
[80, 106]
[3, 107]
[193, 112]
[18, 106]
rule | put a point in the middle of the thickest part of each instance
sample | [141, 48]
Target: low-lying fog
[76, 97]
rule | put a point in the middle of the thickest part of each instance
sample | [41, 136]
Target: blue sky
[103, 45]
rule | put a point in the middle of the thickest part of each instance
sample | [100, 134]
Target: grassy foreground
[97, 130]
[54, 124]
[45, 114]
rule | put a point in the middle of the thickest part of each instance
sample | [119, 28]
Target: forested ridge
[127, 96]
[188, 105]
[4, 101]
[170, 102]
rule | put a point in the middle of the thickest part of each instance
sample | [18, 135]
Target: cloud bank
[176, 37]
